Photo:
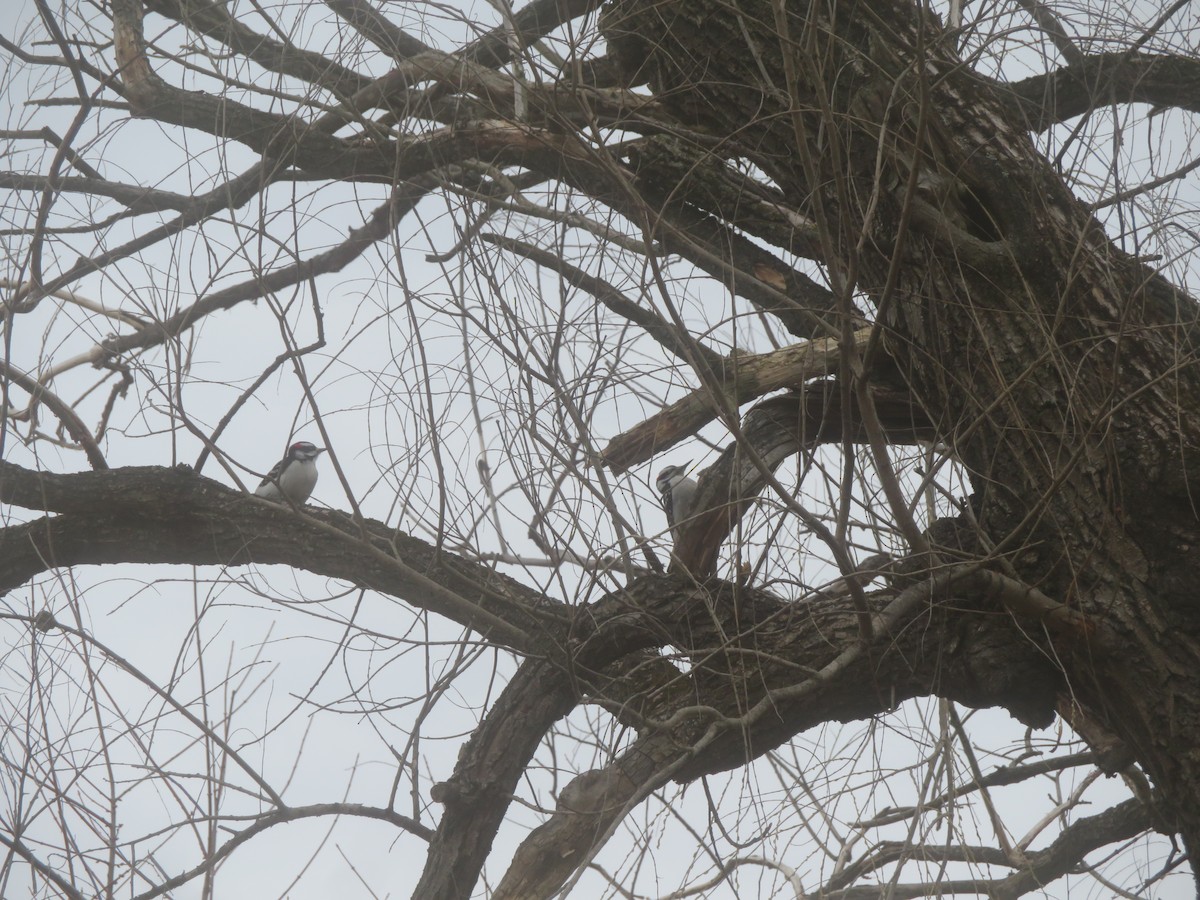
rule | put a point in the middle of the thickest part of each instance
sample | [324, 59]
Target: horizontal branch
[136, 198]
[1064, 855]
[160, 515]
[1104, 78]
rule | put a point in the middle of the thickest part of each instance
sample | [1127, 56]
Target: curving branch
[282, 816]
[774, 431]
[381, 223]
[40, 393]
[159, 515]
[765, 671]
[137, 199]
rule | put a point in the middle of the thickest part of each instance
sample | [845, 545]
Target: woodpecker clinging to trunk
[676, 492]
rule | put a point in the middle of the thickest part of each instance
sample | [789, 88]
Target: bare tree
[910, 285]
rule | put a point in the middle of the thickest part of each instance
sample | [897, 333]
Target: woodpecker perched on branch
[293, 477]
[676, 492]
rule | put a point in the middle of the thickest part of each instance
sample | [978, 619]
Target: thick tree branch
[1052, 25]
[486, 776]
[587, 809]
[1104, 78]
[158, 515]
[765, 671]
[378, 29]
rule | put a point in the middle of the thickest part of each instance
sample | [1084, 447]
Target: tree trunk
[1046, 356]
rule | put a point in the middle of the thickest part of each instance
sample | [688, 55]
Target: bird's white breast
[299, 480]
[296, 482]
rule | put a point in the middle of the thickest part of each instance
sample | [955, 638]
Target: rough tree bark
[1059, 368]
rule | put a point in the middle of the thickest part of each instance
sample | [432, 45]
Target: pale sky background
[280, 656]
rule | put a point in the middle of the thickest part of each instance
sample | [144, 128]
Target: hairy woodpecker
[294, 476]
[676, 492]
